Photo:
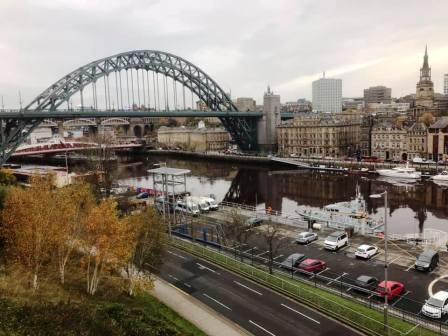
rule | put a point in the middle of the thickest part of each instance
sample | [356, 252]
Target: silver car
[306, 237]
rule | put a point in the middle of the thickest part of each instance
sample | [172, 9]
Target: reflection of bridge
[142, 83]
[63, 147]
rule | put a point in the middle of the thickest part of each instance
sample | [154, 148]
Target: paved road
[255, 308]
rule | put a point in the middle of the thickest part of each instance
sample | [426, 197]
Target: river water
[412, 206]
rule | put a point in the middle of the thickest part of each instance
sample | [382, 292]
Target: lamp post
[384, 194]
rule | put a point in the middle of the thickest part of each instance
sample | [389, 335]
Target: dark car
[143, 195]
[366, 282]
[293, 261]
[254, 221]
[427, 261]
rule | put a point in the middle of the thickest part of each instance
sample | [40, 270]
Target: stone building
[245, 104]
[416, 141]
[389, 142]
[438, 140]
[195, 139]
[377, 95]
[267, 139]
[425, 87]
[318, 136]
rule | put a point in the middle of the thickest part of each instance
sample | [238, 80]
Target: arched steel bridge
[142, 83]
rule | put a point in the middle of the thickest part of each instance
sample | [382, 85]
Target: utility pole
[20, 100]
[3, 105]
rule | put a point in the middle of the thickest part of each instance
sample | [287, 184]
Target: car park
[393, 289]
[312, 265]
[427, 261]
[437, 305]
[306, 237]
[254, 221]
[366, 251]
[336, 240]
[293, 261]
[367, 282]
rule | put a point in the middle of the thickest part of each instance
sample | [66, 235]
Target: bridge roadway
[92, 113]
[254, 307]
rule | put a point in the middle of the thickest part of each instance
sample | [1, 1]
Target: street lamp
[384, 194]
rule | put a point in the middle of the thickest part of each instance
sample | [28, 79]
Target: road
[253, 307]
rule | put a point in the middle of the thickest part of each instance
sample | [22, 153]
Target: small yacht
[443, 176]
[401, 172]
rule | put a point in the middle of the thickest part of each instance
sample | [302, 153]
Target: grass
[354, 313]
[66, 310]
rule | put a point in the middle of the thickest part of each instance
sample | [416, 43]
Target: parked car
[306, 237]
[366, 251]
[312, 265]
[394, 289]
[427, 261]
[254, 221]
[202, 204]
[437, 305]
[293, 261]
[142, 195]
[213, 205]
[336, 240]
[188, 207]
[366, 282]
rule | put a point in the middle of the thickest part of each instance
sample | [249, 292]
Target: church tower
[425, 87]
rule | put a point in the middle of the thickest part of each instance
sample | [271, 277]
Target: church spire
[425, 71]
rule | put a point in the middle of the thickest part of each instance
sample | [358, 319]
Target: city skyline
[266, 43]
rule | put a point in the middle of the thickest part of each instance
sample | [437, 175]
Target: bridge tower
[267, 137]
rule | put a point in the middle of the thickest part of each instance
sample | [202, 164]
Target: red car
[394, 289]
[313, 265]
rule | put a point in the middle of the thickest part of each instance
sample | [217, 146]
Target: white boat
[443, 176]
[401, 172]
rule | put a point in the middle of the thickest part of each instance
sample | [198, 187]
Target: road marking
[252, 248]
[399, 299]
[252, 290]
[260, 254]
[336, 279]
[295, 311]
[177, 255]
[205, 267]
[283, 237]
[393, 260]
[326, 269]
[173, 277]
[220, 303]
[259, 326]
[189, 286]
[349, 289]
[279, 256]
[410, 266]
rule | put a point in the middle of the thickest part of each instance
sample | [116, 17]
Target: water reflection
[412, 207]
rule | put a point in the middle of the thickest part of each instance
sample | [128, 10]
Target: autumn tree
[427, 118]
[108, 242]
[150, 238]
[72, 204]
[29, 225]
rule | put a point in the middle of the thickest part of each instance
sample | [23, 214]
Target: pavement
[255, 308]
[191, 309]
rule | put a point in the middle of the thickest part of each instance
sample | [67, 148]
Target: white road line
[252, 248]
[173, 277]
[208, 269]
[336, 279]
[189, 286]
[259, 326]
[283, 237]
[393, 260]
[220, 303]
[326, 269]
[260, 254]
[295, 311]
[279, 256]
[349, 289]
[399, 299]
[177, 255]
[248, 288]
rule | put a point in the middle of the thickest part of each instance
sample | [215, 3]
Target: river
[412, 206]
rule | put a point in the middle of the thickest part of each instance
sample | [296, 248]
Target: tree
[108, 242]
[150, 239]
[427, 118]
[102, 160]
[72, 204]
[238, 229]
[271, 232]
[29, 224]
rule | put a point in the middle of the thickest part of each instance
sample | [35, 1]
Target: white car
[306, 237]
[336, 240]
[366, 251]
[437, 305]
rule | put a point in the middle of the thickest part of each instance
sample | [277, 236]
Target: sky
[242, 45]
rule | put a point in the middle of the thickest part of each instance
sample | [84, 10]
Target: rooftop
[441, 123]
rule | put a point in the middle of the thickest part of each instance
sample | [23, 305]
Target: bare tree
[238, 229]
[271, 232]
